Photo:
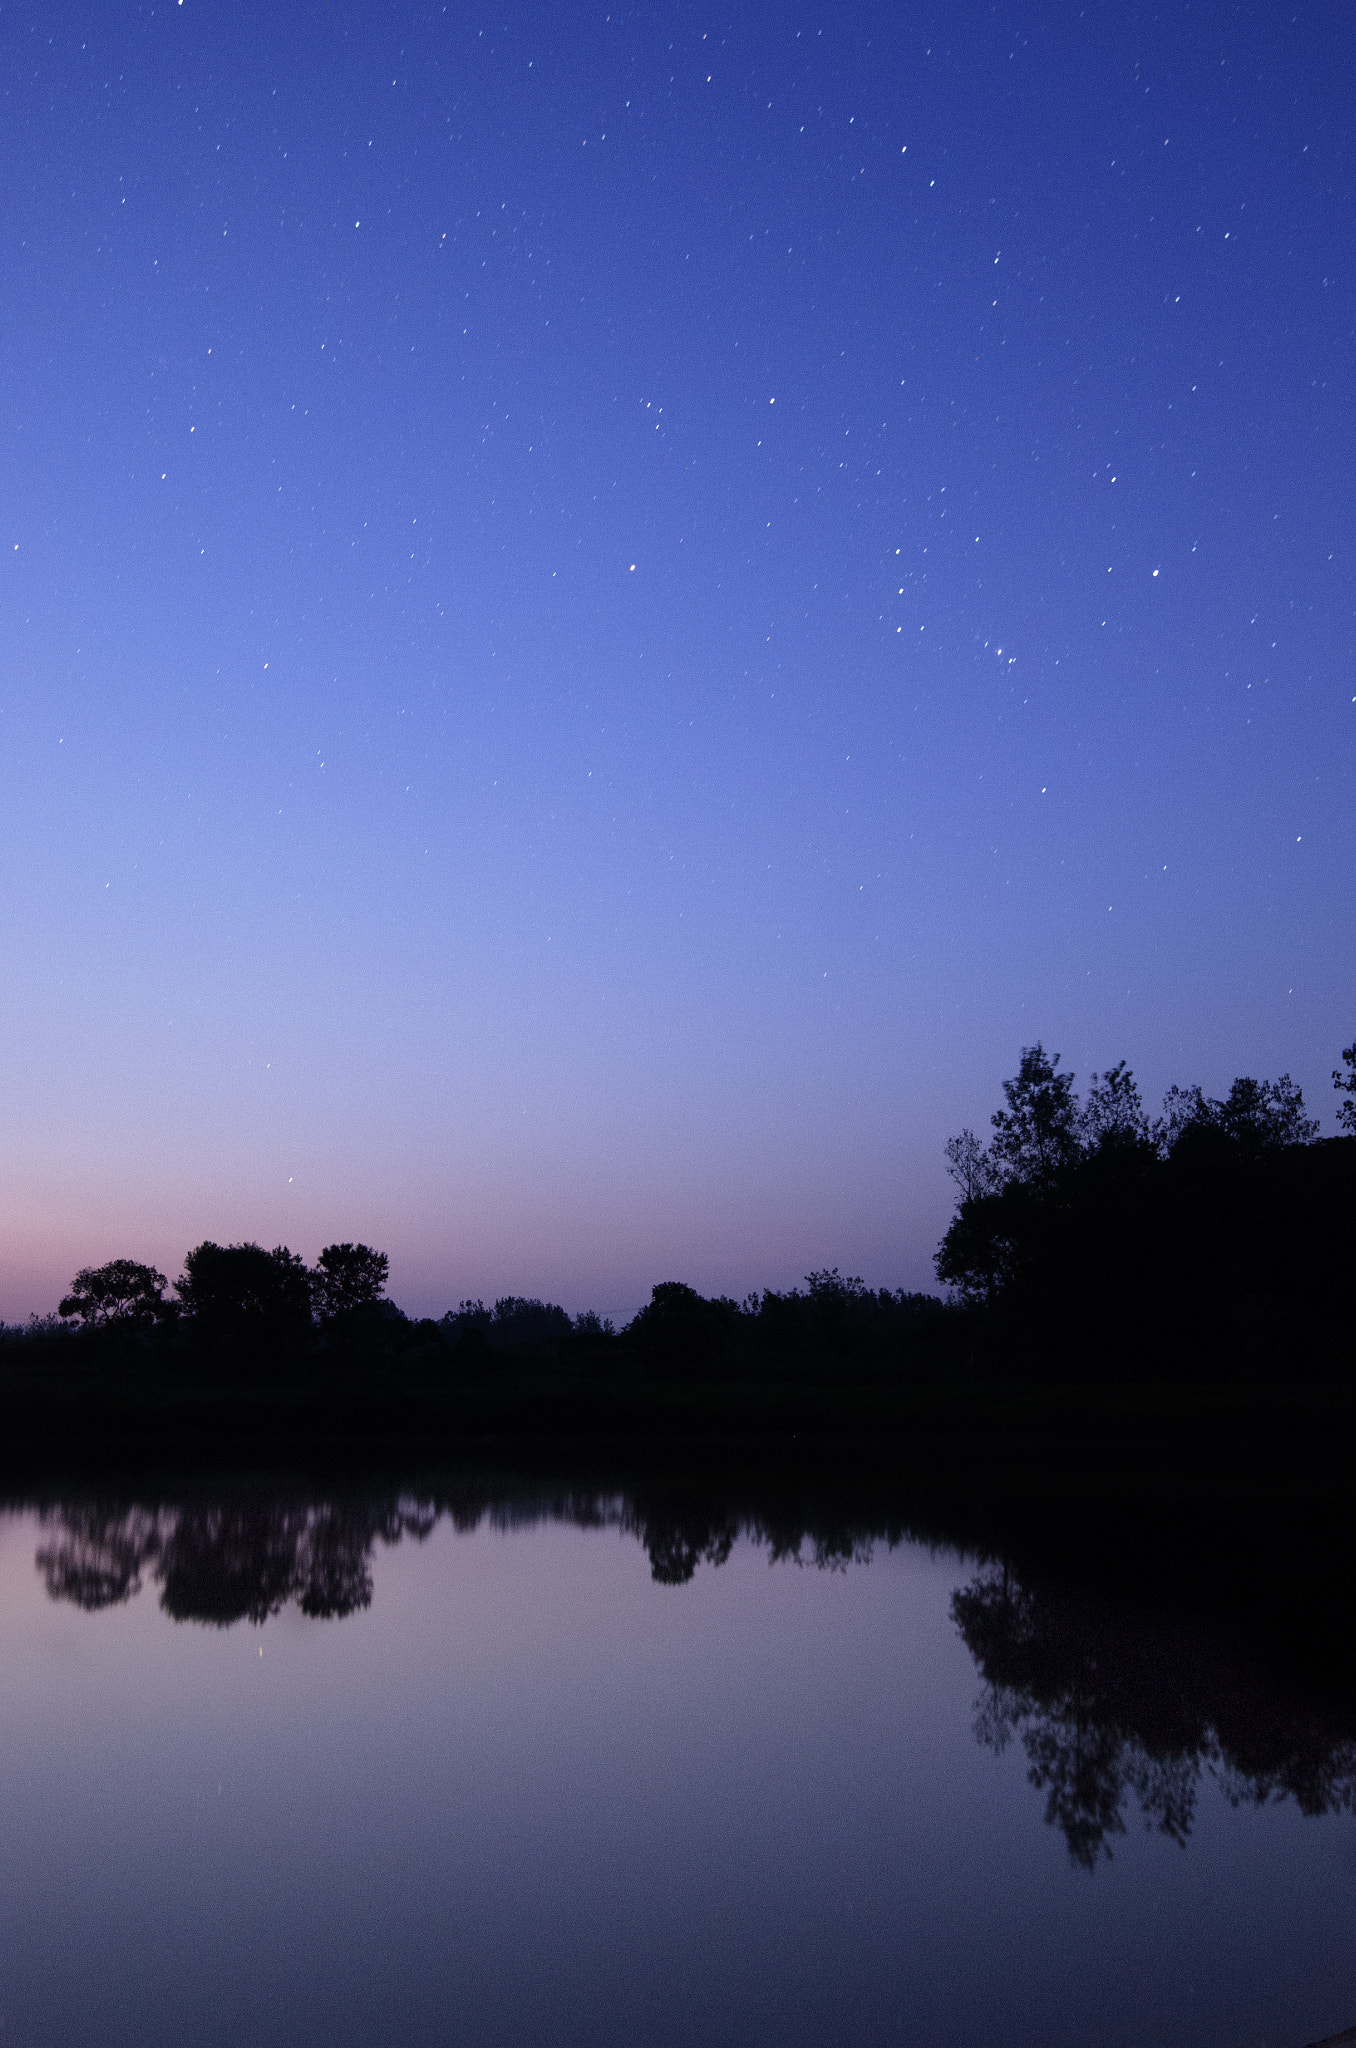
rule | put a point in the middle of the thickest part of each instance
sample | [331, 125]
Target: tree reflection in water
[244, 1560]
[1109, 1712]
[1113, 1709]
[222, 1563]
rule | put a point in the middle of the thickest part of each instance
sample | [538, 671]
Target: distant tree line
[1089, 1241]
[234, 1289]
[230, 1293]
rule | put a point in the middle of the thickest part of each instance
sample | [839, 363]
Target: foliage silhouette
[1345, 1084]
[120, 1292]
[1036, 1136]
[347, 1279]
[241, 1290]
[522, 1324]
[1255, 1116]
[516, 1323]
[678, 1326]
[1208, 1242]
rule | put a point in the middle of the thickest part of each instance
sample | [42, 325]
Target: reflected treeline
[245, 1559]
[222, 1563]
[1116, 1714]
[1122, 1705]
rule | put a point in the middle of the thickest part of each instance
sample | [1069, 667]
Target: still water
[388, 1771]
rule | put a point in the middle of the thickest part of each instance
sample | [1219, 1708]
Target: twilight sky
[602, 614]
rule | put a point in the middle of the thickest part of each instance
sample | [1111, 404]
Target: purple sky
[601, 615]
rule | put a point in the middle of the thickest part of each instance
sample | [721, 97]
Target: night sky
[603, 614]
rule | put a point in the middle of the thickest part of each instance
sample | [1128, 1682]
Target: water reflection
[223, 1563]
[1111, 1711]
[244, 1560]
[1117, 1707]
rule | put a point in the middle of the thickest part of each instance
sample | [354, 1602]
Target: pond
[489, 1765]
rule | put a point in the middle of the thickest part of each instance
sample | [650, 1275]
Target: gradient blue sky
[602, 613]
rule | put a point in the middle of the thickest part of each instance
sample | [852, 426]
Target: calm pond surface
[290, 1770]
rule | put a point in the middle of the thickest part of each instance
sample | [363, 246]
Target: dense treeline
[1213, 1241]
[241, 1300]
[1091, 1245]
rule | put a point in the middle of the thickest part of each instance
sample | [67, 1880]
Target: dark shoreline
[1203, 1438]
[1142, 1490]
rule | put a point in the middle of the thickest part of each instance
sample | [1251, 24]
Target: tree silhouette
[1345, 1084]
[1037, 1134]
[241, 1289]
[347, 1278]
[1255, 1116]
[1113, 1114]
[221, 1562]
[120, 1292]
[1069, 1201]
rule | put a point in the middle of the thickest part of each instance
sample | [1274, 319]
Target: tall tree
[1037, 1134]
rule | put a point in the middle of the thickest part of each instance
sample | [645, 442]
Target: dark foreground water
[288, 1770]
